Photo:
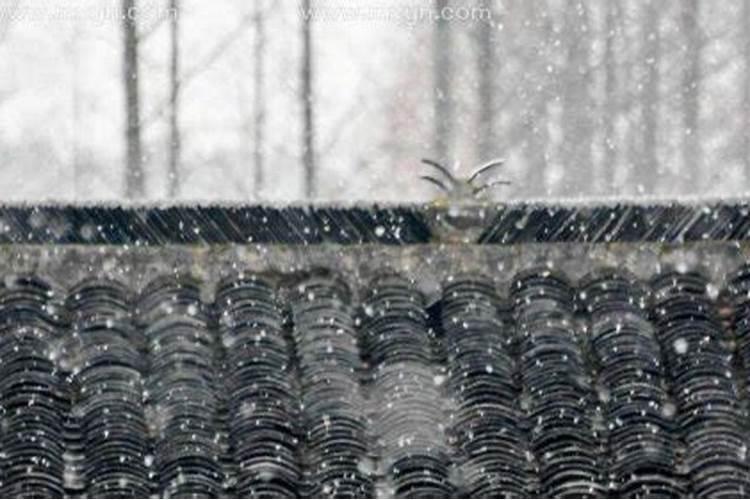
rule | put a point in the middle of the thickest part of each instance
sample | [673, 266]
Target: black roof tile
[297, 369]
[321, 386]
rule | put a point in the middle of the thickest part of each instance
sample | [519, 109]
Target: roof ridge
[384, 225]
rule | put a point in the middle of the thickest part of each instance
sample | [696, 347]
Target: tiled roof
[426, 370]
[319, 386]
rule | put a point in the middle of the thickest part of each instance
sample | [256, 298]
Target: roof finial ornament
[463, 208]
[464, 190]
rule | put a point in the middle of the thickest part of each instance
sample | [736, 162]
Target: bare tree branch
[6, 22]
[214, 55]
[145, 34]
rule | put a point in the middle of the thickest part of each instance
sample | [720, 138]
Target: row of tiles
[610, 388]
[354, 225]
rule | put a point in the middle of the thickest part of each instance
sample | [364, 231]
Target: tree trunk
[442, 93]
[486, 68]
[134, 181]
[576, 114]
[307, 95]
[611, 99]
[691, 145]
[175, 146]
[648, 163]
[76, 112]
[746, 98]
[538, 88]
[259, 99]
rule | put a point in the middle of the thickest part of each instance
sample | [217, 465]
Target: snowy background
[601, 98]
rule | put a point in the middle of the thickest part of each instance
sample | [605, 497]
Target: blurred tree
[173, 181]
[648, 165]
[577, 125]
[442, 85]
[10, 9]
[259, 104]
[612, 98]
[617, 92]
[691, 84]
[745, 54]
[191, 74]
[76, 109]
[486, 45]
[134, 178]
[537, 89]
[308, 102]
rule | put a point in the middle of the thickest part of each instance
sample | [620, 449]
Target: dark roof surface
[140, 355]
[514, 382]
[397, 225]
